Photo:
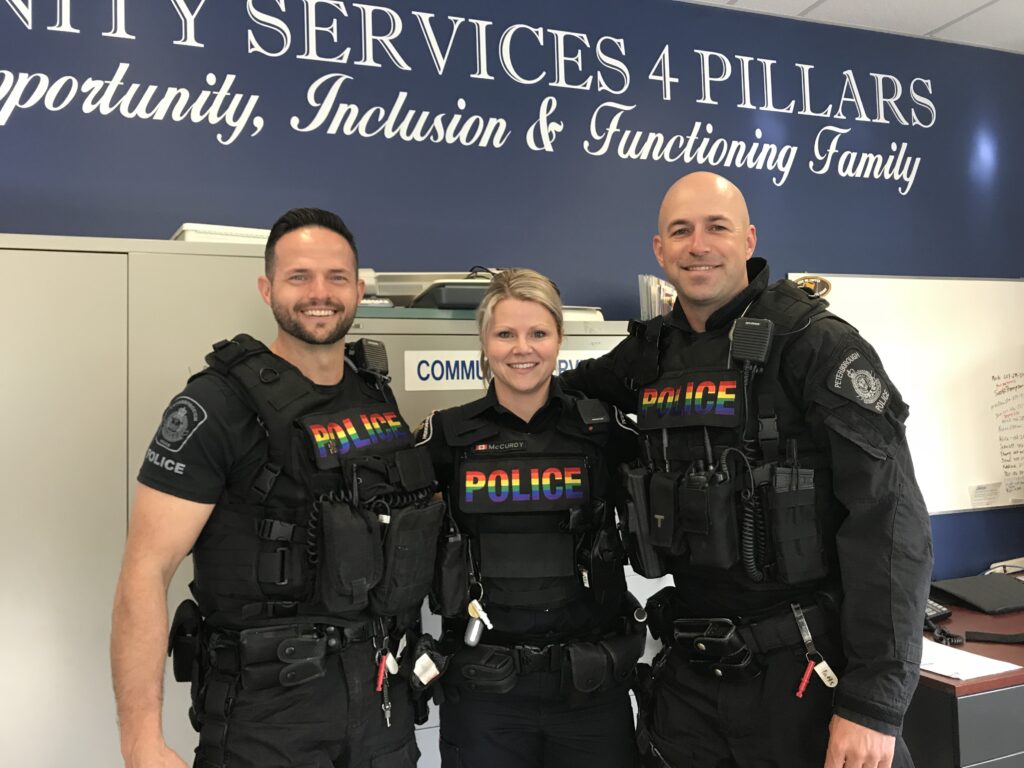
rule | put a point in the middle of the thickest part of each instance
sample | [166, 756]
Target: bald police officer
[779, 492]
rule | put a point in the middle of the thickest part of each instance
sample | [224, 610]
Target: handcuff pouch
[485, 669]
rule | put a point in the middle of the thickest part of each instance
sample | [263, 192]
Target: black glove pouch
[351, 561]
[183, 643]
[409, 552]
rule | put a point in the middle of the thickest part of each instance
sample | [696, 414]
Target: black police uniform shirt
[210, 440]
[882, 545]
[578, 617]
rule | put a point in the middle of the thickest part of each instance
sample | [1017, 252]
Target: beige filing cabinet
[100, 334]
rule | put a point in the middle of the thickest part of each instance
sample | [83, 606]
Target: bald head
[711, 190]
[703, 243]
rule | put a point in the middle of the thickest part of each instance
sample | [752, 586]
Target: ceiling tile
[704, 2]
[777, 7]
[988, 23]
[907, 17]
[1000, 25]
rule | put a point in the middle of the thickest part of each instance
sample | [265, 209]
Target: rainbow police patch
[692, 398]
[526, 484]
[363, 430]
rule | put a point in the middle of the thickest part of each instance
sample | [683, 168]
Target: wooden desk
[962, 723]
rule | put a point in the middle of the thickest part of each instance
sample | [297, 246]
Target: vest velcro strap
[276, 530]
[272, 567]
[767, 425]
[768, 437]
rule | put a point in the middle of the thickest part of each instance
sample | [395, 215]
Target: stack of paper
[963, 665]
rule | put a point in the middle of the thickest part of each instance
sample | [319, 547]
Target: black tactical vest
[534, 508]
[736, 484]
[337, 523]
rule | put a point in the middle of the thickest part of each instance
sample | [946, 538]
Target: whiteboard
[955, 350]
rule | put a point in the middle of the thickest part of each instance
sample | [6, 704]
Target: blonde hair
[522, 284]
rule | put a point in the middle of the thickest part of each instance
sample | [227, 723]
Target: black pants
[696, 721]
[335, 721]
[534, 726]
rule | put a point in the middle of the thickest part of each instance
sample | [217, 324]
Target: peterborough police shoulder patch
[181, 420]
[856, 379]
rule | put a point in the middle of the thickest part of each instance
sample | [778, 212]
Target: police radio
[369, 355]
[750, 339]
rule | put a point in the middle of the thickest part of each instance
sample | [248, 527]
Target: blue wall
[967, 543]
[584, 217]
[449, 207]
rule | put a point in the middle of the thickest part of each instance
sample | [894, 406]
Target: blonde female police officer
[532, 587]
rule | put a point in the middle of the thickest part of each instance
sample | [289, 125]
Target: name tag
[694, 398]
[337, 436]
[523, 484]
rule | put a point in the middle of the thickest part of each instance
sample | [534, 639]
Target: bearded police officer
[777, 488]
[290, 475]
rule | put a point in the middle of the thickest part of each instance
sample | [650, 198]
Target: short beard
[291, 325]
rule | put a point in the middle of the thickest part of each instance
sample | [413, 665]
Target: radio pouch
[707, 515]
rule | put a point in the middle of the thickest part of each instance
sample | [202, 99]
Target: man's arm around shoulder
[605, 377]
[161, 532]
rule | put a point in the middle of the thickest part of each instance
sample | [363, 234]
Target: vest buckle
[275, 530]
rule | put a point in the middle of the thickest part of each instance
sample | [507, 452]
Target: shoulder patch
[425, 431]
[181, 420]
[856, 379]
